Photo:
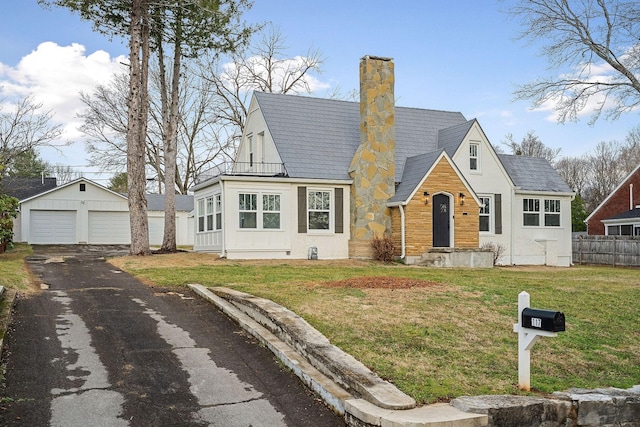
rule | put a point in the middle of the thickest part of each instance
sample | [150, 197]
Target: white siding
[260, 243]
[489, 180]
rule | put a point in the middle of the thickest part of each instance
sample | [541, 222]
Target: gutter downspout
[223, 251]
[631, 197]
[402, 232]
[512, 225]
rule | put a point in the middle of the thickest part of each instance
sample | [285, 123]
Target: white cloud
[55, 75]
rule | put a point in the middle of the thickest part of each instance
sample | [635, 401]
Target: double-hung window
[265, 216]
[271, 211]
[200, 215]
[218, 210]
[531, 212]
[552, 213]
[473, 156]
[319, 209]
[210, 213]
[248, 210]
[485, 214]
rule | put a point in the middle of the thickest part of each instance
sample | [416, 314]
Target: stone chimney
[373, 166]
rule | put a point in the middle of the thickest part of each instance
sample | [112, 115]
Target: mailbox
[544, 320]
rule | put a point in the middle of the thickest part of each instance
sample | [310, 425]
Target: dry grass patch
[15, 274]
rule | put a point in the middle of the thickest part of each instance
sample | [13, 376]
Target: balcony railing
[242, 169]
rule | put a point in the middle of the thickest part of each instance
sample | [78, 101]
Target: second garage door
[109, 228]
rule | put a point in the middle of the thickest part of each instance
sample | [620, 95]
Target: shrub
[496, 248]
[8, 211]
[383, 248]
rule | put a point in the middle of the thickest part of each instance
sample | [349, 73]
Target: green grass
[13, 273]
[448, 340]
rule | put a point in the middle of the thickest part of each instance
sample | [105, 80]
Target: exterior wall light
[462, 196]
[426, 197]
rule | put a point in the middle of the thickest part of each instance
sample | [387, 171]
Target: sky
[461, 55]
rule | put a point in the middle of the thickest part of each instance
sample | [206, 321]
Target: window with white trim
[531, 212]
[271, 211]
[218, 210]
[251, 148]
[210, 213]
[552, 213]
[248, 210]
[473, 156]
[200, 215]
[485, 214]
[319, 209]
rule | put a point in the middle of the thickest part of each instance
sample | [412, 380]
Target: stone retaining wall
[610, 407]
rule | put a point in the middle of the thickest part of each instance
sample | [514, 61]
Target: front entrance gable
[441, 210]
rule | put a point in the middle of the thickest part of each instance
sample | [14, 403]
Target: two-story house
[332, 175]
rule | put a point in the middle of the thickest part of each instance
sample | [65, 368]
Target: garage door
[52, 227]
[156, 230]
[109, 228]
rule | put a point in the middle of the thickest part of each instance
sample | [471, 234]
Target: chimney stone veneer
[373, 166]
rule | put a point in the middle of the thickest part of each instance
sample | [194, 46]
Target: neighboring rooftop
[24, 188]
[155, 202]
[632, 214]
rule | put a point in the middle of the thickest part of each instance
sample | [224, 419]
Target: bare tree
[605, 172]
[62, 173]
[24, 128]
[105, 124]
[264, 66]
[630, 151]
[593, 44]
[576, 172]
[201, 137]
[531, 146]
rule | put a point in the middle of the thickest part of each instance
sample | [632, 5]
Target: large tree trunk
[170, 147]
[136, 128]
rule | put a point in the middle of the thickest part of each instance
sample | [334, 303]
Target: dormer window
[473, 156]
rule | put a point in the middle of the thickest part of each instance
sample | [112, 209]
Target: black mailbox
[544, 320]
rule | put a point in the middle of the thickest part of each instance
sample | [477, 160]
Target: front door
[441, 221]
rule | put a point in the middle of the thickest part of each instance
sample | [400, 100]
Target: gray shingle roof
[533, 174]
[317, 138]
[155, 202]
[24, 188]
[450, 138]
[632, 214]
[415, 169]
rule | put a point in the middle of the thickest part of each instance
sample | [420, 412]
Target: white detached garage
[83, 212]
[80, 211]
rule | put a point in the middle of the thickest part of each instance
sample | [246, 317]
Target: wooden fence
[622, 251]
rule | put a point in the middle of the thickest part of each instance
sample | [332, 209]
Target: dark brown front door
[441, 221]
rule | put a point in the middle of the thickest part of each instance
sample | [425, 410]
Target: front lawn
[13, 272]
[452, 336]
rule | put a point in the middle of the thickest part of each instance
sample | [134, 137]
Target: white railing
[242, 168]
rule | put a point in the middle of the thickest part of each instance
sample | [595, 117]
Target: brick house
[619, 212]
[332, 175]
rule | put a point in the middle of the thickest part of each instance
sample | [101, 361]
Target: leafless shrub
[383, 248]
[496, 248]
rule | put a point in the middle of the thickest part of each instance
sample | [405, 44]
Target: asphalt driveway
[96, 347]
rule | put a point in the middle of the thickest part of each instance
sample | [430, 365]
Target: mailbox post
[533, 324]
